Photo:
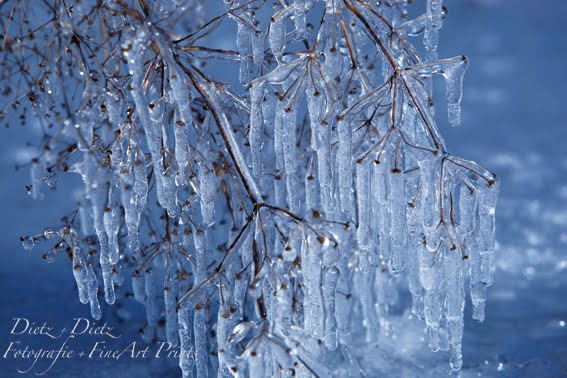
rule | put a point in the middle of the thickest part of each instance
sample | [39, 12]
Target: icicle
[315, 107]
[37, 173]
[416, 290]
[363, 202]
[224, 323]
[278, 134]
[85, 217]
[435, 21]
[208, 193]
[244, 43]
[344, 167]
[270, 300]
[363, 197]
[93, 292]
[467, 208]
[429, 181]
[131, 214]
[170, 299]
[487, 229]
[258, 44]
[112, 224]
[80, 272]
[430, 276]
[226, 316]
[87, 119]
[201, 349]
[290, 161]
[186, 345]
[256, 135]
[313, 301]
[330, 282]
[432, 318]
[323, 132]
[279, 190]
[138, 286]
[99, 199]
[140, 196]
[165, 180]
[285, 305]
[477, 288]
[299, 18]
[454, 87]
[152, 309]
[118, 274]
[383, 207]
[240, 287]
[182, 128]
[277, 36]
[107, 278]
[416, 237]
[427, 269]
[332, 65]
[454, 304]
[268, 117]
[311, 190]
[344, 299]
[396, 192]
[435, 13]
[200, 240]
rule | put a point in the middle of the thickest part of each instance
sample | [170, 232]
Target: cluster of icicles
[331, 207]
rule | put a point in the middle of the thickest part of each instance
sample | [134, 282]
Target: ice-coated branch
[301, 176]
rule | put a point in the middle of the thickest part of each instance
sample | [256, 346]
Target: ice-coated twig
[312, 147]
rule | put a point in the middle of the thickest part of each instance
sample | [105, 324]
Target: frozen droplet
[48, 234]
[28, 242]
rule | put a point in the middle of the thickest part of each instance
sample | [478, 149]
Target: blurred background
[513, 123]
